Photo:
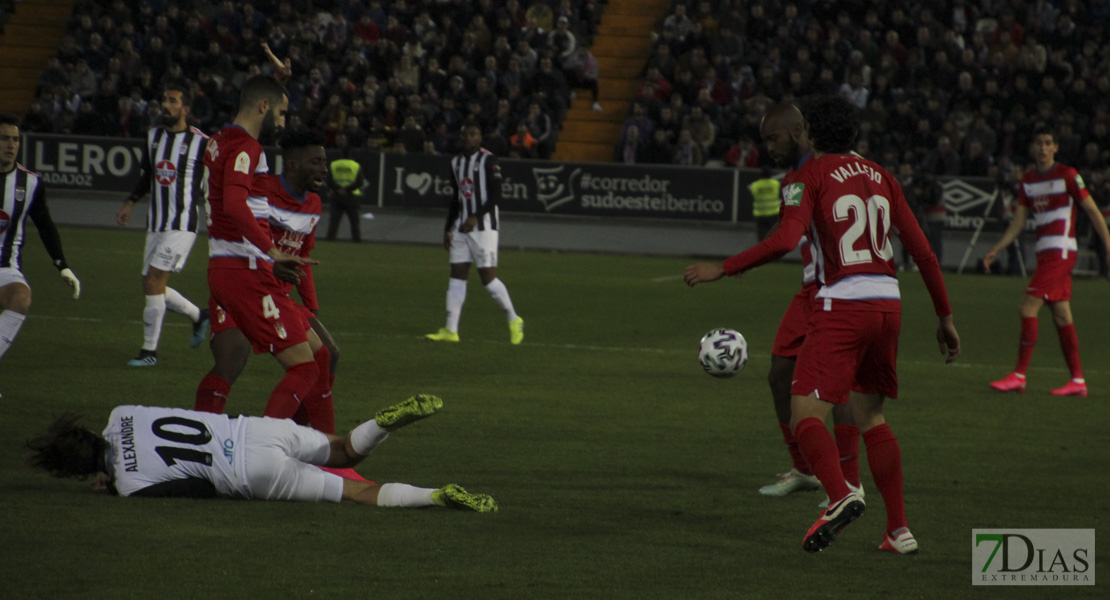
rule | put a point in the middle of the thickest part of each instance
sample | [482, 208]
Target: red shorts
[846, 351]
[252, 300]
[1051, 280]
[795, 323]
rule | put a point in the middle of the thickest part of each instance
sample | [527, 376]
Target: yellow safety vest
[766, 195]
[344, 172]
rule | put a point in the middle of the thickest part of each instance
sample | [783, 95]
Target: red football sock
[1069, 342]
[318, 405]
[819, 450]
[795, 454]
[286, 397]
[847, 443]
[1028, 341]
[212, 394]
[885, 459]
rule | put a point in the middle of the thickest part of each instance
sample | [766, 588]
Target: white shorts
[478, 247]
[279, 462]
[10, 275]
[167, 250]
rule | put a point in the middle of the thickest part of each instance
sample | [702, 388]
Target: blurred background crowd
[947, 87]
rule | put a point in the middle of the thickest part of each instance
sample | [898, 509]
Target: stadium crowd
[954, 87]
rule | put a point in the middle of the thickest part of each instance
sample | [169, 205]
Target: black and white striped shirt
[22, 195]
[478, 178]
[171, 171]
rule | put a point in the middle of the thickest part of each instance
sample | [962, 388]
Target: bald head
[783, 132]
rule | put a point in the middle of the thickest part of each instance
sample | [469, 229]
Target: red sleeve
[235, 206]
[918, 246]
[778, 244]
[794, 217]
[1079, 192]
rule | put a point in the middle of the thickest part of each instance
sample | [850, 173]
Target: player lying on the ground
[159, 452]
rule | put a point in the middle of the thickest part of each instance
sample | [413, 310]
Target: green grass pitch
[623, 471]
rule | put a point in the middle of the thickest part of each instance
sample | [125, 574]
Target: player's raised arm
[283, 70]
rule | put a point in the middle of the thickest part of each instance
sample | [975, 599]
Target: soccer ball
[723, 352]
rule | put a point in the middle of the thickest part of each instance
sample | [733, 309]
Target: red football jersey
[847, 205]
[293, 222]
[238, 219]
[1052, 197]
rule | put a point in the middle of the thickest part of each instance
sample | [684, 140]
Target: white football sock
[10, 322]
[403, 495]
[180, 304]
[456, 295]
[501, 295]
[367, 436]
[153, 315]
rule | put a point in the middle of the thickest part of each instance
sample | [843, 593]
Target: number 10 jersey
[152, 445]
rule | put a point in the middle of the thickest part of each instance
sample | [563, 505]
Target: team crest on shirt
[466, 188]
[20, 194]
[165, 172]
[792, 194]
[280, 329]
[5, 220]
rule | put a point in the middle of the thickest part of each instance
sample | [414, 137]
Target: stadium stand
[979, 74]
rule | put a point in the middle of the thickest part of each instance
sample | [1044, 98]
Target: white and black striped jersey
[478, 177]
[22, 195]
[171, 172]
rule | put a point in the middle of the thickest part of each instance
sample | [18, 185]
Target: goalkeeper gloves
[71, 280]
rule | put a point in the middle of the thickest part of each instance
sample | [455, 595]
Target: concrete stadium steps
[600, 132]
[30, 37]
[621, 66]
[622, 46]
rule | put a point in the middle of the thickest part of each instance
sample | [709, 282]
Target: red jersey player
[783, 132]
[240, 274]
[847, 206]
[1051, 192]
[294, 214]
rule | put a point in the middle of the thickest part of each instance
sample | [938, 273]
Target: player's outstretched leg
[409, 411]
[832, 522]
[454, 496]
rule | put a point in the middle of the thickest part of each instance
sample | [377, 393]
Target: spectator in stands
[36, 120]
[632, 149]
[521, 143]
[687, 151]
[659, 150]
[582, 72]
[854, 90]
[541, 14]
[411, 135]
[942, 160]
[551, 85]
[976, 163]
[562, 42]
[678, 21]
[701, 128]
[539, 125]
[744, 154]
